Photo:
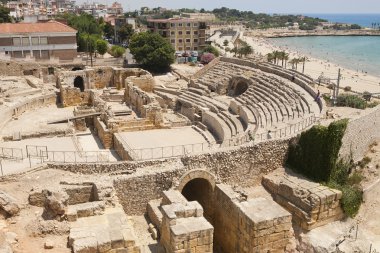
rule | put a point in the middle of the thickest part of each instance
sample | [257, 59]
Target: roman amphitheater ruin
[107, 159]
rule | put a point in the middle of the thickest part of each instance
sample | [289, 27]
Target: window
[172, 41]
[195, 40]
[180, 33]
[195, 24]
[35, 41]
[187, 40]
[16, 41]
[188, 48]
[180, 24]
[172, 33]
[188, 32]
[25, 41]
[172, 24]
[188, 24]
[43, 41]
[180, 41]
[195, 32]
[179, 48]
[195, 48]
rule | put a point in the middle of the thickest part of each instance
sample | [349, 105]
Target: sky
[265, 6]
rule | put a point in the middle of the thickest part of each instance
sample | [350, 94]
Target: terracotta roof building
[40, 41]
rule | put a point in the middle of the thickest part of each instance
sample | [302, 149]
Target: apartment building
[185, 34]
[41, 41]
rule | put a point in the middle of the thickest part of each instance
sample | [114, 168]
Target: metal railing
[76, 157]
[287, 130]
[11, 153]
[187, 149]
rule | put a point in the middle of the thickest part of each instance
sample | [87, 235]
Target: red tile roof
[48, 27]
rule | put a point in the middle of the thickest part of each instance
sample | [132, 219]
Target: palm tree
[235, 51]
[295, 62]
[286, 58]
[277, 56]
[246, 50]
[303, 60]
[270, 57]
[283, 56]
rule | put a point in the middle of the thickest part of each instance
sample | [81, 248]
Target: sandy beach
[358, 81]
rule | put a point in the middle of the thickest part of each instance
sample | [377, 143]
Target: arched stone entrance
[79, 83]
[198, 185]
[238, 86]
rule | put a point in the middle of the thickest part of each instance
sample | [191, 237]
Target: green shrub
[347, 88]
[117, 51]
[353, 101]
[365, 161]
[352, 197]
[355, 179]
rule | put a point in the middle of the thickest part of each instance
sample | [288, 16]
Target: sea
[361, 53]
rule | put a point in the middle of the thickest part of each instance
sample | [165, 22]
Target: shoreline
[358, 81]
[286, 33]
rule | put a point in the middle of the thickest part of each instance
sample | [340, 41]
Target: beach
[314, 67]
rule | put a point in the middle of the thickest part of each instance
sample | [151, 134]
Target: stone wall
[6, 114]
[184, 229]
[12, 68]
[361, 132]
[71, 96]
[105, 135]
[253, 225]
[311, 204]
[243, 166]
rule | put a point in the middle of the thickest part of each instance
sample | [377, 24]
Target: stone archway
[193, 174]
[79, 83]
[238, 85]
[199, 185]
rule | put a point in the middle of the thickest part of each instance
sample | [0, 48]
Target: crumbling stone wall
[6, 114]
[360, 133]
[184, 229]
[71, 96]
[244, 166]
[105, 135]
[311, 204]
[253, 225]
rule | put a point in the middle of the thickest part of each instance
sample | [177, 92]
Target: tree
[270, 57]
[4, 15]
[152, 51]
[246, 50]
[303, 60]
[225, 43]
[125, 32]
[117, 51]
[108, 30]
[211, 49]
[101, 46]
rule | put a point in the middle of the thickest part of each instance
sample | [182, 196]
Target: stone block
[85, 245]
[128, 237]
[104, 240]
[117, 239]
